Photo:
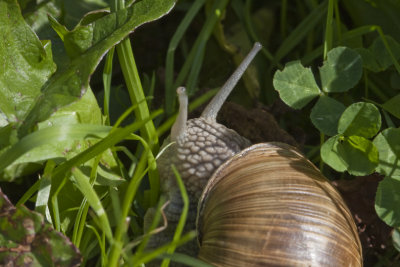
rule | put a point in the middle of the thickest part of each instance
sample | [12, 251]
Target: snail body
[260, 205]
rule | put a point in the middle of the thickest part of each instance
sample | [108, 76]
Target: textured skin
[204, 147]
[197, 154]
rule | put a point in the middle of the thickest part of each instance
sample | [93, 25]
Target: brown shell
[270, 206]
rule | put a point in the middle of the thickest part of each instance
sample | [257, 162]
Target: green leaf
[387, 201]
[354, 154]
[49, 136]
[26, 238]
[362, 119]
[388, 144]
[368, 59]
[60, 29]
[76, 9]
[381, 54]
[43, 193]
[375, 12]
[25, 63]
[84, 112]
[341, 71]
[36, 17]
[325, 115]
[69, 84]
[359, 155]
[396, 239]
[330, 155]
[377, 57]
[108, 178]
[296, 85]
[82, 182]
[81, 38]
[393, 106]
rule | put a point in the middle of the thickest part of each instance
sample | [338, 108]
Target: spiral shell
[270, 206]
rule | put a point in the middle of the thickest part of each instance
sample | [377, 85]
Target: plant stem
[117, 245]
[134, 86]
[107, 75]
[328, 28]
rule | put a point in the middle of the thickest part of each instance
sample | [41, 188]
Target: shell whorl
[270, 206]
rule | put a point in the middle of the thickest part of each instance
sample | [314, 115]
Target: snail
[252, 205]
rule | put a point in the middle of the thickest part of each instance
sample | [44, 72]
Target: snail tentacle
[212, 109]
[179, 127]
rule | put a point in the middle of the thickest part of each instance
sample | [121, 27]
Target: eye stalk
[179, 127]
[212, 109]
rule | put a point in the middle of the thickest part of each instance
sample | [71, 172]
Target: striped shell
[270, 206]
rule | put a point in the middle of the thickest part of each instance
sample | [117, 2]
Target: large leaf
[354, 154]
[393, 106]
[70, 84]
[58, 144]
[396, 239]
[362, 119]
[25, 63]
[341, 71]
[377, 57]
[326, 113]
[330, 155]
[296, 85]
[359, 154]
[27, 240]
[382, 55]
[388, 144]
[387, 201]
[375, 12]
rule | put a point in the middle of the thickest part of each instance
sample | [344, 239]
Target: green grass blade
[28, 194]
[107, 76]
[195, 59]
[110, 140]
[116, 248]
[248, 20]
[300, 32]
[59, 174]
[83, 184]
[101, 243]
[52, 134]
[153, 229]
[186, 260]
[182, 219]
[328, 28]
[169, 65]
[135, 89]
[42, 198]
[157, 252]
[80, 222]
[134, 86]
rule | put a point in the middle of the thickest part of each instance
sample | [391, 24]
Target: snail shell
[269, 206]
[264, 204]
